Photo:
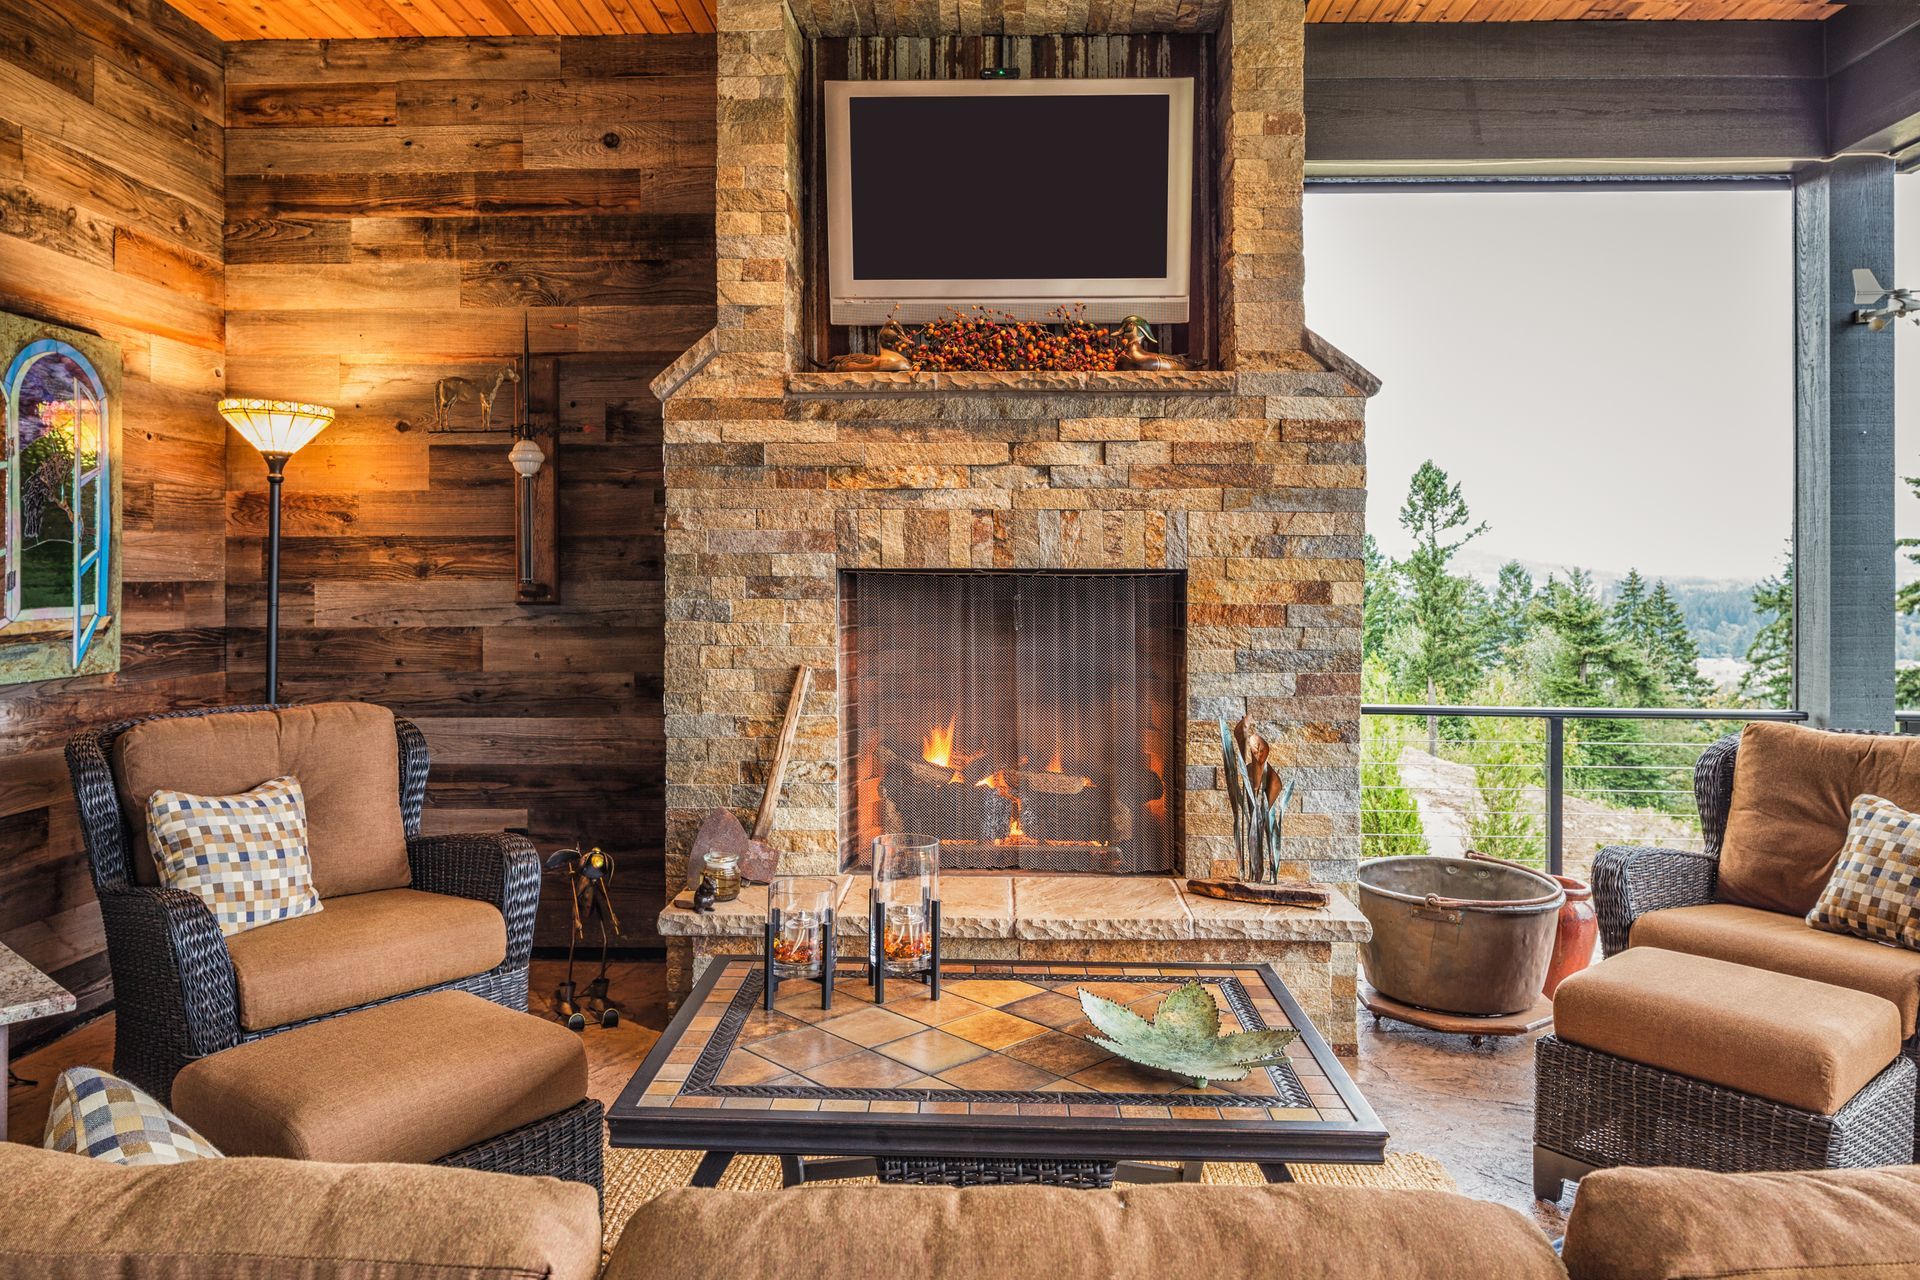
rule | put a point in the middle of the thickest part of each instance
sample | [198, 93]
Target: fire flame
[937, 746]
[1053, 765]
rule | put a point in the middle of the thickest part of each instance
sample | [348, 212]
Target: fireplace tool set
[903, 922]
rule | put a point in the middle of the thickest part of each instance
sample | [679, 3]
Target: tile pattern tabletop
[1005, 1039]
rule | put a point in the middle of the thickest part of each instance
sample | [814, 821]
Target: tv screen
[1021, 196]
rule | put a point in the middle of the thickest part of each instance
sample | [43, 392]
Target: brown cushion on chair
[1792, 790]
[1129, 1233]
[345, 755]
[65, 1217]
[1788, 944]
[1674, 1224]
[1805, 1044]
[361, 948]
[409, 1081]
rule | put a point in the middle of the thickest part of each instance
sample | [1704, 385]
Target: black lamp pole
[276, 473]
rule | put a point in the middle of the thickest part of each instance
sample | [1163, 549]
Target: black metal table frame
[858, 1138]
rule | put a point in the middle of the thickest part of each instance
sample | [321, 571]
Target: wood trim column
[1844, 468]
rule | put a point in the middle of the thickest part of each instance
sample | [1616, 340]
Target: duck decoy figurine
[890, 358]
[1133, 355]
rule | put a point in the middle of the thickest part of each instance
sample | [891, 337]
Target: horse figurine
[451, 391]
[890, 358]
[1133, 355]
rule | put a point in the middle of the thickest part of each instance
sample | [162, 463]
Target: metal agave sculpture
[1259, 801]
[1184, 1037]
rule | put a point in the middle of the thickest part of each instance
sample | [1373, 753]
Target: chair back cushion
[1679, 1224]
[345, 754]
[65, 1217]
[1129, 1233]
[1793, 789]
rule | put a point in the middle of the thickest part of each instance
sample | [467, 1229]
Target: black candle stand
[829, 957]
[877, 948]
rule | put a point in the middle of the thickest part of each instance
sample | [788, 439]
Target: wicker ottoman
[1660, 1058]
[445, 1078]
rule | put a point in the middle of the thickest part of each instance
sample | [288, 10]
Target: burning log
[1046, 782]
[925, 772]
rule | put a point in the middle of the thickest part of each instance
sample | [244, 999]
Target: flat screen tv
[1021, 196]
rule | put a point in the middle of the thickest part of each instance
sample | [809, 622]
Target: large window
[57, 499]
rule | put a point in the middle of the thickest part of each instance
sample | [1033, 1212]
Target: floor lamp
[278, 429]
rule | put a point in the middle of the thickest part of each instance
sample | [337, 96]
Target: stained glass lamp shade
[276, 427]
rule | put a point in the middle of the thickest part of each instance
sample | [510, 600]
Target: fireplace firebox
[1030, 720]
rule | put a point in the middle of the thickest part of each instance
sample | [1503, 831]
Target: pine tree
[1769, 673]
[1671, 648]
[1630, 609]
[1509, 616]
[1441, 607]
[1594, 665]
[1383, 603]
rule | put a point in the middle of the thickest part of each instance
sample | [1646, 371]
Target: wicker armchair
[1630, 881]
[174, 982]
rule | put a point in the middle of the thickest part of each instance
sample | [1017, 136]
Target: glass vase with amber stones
[799, 941]
[904, 941]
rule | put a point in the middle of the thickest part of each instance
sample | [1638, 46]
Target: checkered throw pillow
[95, 1114]
[245, 855]
[1875, 889]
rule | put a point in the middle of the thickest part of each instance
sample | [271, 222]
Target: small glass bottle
[724, 869]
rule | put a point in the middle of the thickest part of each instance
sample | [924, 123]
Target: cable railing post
[1556, 791]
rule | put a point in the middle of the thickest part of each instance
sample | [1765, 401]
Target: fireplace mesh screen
[1029, 720]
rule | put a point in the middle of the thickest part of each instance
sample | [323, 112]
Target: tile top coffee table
[990, 1082]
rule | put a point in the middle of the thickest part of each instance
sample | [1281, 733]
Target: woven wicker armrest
[173, 984]
[496, 867]
[1631, 880]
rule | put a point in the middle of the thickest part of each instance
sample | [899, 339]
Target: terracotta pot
[1573, 942]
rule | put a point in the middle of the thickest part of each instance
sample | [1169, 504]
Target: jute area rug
[635, 1176]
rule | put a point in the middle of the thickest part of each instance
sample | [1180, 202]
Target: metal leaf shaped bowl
[1184, 1039]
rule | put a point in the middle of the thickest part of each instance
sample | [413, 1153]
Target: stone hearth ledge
[1057, 908]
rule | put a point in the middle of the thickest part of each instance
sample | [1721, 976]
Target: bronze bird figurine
[1135, 356]
[890, 358]
[703, 895]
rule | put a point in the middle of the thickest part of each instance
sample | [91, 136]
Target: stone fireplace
[984, 569]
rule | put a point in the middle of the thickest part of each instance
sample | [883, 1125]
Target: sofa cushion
[1149, 1233]
[1792, 790]
[1790, 1040]
[65, 1217]
[345, 755]
[102, 1116]
[361, 948]
[409, 1081]
[1787, 944]
[245, 856]
[1670, 1224]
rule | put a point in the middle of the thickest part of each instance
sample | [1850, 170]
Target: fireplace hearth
[1028, 720]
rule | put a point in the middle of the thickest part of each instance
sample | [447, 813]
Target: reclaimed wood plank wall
[395, 211]
[110, 220]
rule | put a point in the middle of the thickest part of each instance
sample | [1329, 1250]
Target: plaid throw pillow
[245, 855]
[95, 1114]
[1875, 889]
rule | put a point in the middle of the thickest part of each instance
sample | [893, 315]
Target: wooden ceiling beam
[1873, 79]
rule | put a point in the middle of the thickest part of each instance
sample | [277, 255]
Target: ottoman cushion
[1786, 1039]
[409, 1081]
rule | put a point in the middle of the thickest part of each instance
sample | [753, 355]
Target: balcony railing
[1544, 786]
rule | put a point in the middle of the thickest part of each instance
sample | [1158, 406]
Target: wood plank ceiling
[378, 19]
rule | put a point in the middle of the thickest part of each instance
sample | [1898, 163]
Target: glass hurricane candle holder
[904, 910]
[799, 933]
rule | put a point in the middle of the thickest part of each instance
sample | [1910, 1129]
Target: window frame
[80, 636]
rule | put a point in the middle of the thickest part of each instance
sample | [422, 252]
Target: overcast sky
[1608, 374]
